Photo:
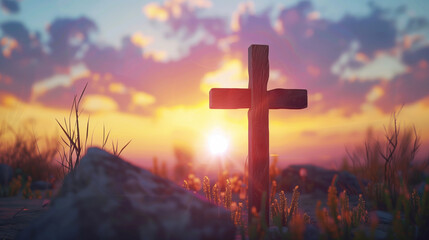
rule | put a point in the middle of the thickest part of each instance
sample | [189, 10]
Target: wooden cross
[258, 100]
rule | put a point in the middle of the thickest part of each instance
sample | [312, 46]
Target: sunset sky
[150, 65]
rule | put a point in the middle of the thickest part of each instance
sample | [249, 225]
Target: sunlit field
[391, 182]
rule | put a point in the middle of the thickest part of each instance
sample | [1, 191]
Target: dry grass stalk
[185, 185]
[70, 158]
[216, 195]
[228, 195]
[283, 207]
[294, 203]
[206, 188]
[19, 148]
[74, 145]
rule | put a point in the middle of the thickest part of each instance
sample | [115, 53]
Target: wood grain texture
[229, 98]
[235, 98]
[258, 128]
[287, 98]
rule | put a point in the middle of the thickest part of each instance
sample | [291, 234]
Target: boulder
[40, 185]
[6, 174]
[108, 198]
[311, 178]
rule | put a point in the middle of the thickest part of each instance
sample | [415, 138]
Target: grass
[20, 150]
[74, 145]
[388, 162]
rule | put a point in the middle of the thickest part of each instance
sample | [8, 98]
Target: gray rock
[40, 185]
[383, 217]
[108, 198]
[6, 174]
[312, 178]
[312, 232]
[384, 225]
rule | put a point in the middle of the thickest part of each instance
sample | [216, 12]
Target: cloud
[142, 99]
[23, 60]
[68, 37]
[231, 74]
[141, 40]
[61, 79]
[98, 103]
[173, 9]
[26, 60]
[137, 83]
[410, 86]
[182, 15]
[328, 57]
[414, 57]
[306, 51]
[374, 32]
[242, 9]
[10, 6]
[155, 11]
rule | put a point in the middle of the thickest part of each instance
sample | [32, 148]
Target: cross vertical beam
[259, 101]
[258, 128]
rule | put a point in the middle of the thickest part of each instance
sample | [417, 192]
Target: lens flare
[218, 142]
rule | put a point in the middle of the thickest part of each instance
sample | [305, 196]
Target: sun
[217, 142]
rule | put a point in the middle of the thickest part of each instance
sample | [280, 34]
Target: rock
[383, 217]
[40, 185]
[6, 174]
[384, 223]
[311, 232]
[108, 198]
[312, 178]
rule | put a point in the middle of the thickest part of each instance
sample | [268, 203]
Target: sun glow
[217, 142]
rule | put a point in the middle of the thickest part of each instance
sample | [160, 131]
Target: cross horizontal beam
[234, 98]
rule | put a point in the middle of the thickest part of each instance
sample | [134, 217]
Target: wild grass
[386, 163]
[75, 142]
[339, 220]
[19, 148]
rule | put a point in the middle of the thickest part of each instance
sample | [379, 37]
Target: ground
[16, 213]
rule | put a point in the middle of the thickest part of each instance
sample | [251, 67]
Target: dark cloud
[10, 6]
[25, 61]
[17, 31]
[67, 37]
[416, 24]
[416, 56]
[374, 32]
[410, 86]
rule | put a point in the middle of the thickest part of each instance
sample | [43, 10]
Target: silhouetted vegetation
[75, 142]
[19, 148]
